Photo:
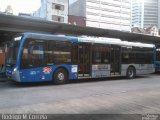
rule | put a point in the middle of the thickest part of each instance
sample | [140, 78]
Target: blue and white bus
[37, 57]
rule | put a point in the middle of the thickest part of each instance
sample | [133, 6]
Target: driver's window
[33, 54]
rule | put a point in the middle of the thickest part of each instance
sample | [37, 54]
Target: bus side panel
[73, 72]
[140, 68]
[100, 70]
[45, 73]
[27, 75]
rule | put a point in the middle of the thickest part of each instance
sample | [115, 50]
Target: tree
[9, 10]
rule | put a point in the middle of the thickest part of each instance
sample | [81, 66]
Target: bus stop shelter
[11, 25]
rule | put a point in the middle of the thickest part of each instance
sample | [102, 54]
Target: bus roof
[114, 41]
[101, 40]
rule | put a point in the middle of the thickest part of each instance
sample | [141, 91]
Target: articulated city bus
[41, 57]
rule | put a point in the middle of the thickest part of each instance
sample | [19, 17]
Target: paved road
[141, 95]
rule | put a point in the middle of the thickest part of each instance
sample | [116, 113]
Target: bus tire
[131, 73]
[60, 76]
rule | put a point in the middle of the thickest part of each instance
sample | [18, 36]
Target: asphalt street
[111, 95]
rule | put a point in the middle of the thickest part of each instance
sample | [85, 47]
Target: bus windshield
[12, 51]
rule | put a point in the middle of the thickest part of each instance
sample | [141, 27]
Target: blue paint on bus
[37, 74]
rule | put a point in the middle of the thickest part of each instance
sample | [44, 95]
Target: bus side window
[101, 54]
[106, 55]
[59, 52]
[75, 53]
[36, 53]
[50, 55]
[96, 55]
[33, 54]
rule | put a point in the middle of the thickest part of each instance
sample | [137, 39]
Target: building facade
[53, 10]
[111, 14]
[153, 30]
[77, 20]
[145, 13]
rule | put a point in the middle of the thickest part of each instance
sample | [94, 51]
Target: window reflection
[101, 54]
[38, 53]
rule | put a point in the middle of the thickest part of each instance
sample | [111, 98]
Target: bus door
[115, 60]
[84, 63]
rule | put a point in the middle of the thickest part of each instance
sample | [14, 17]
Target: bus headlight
[15, 69]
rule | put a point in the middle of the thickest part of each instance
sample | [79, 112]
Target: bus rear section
[139, 58]
[107, 57]
[42, 57]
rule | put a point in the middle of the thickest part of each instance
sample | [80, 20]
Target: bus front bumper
[13, 74]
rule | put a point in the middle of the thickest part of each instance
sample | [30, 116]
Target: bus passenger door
[84, 63]
[115, 60]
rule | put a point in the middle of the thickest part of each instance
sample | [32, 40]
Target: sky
[23, 6]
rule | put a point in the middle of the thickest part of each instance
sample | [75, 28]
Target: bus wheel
[131, 73]
[60, 76]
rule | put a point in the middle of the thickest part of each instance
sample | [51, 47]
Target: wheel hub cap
[61, 76]
[130, 73]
